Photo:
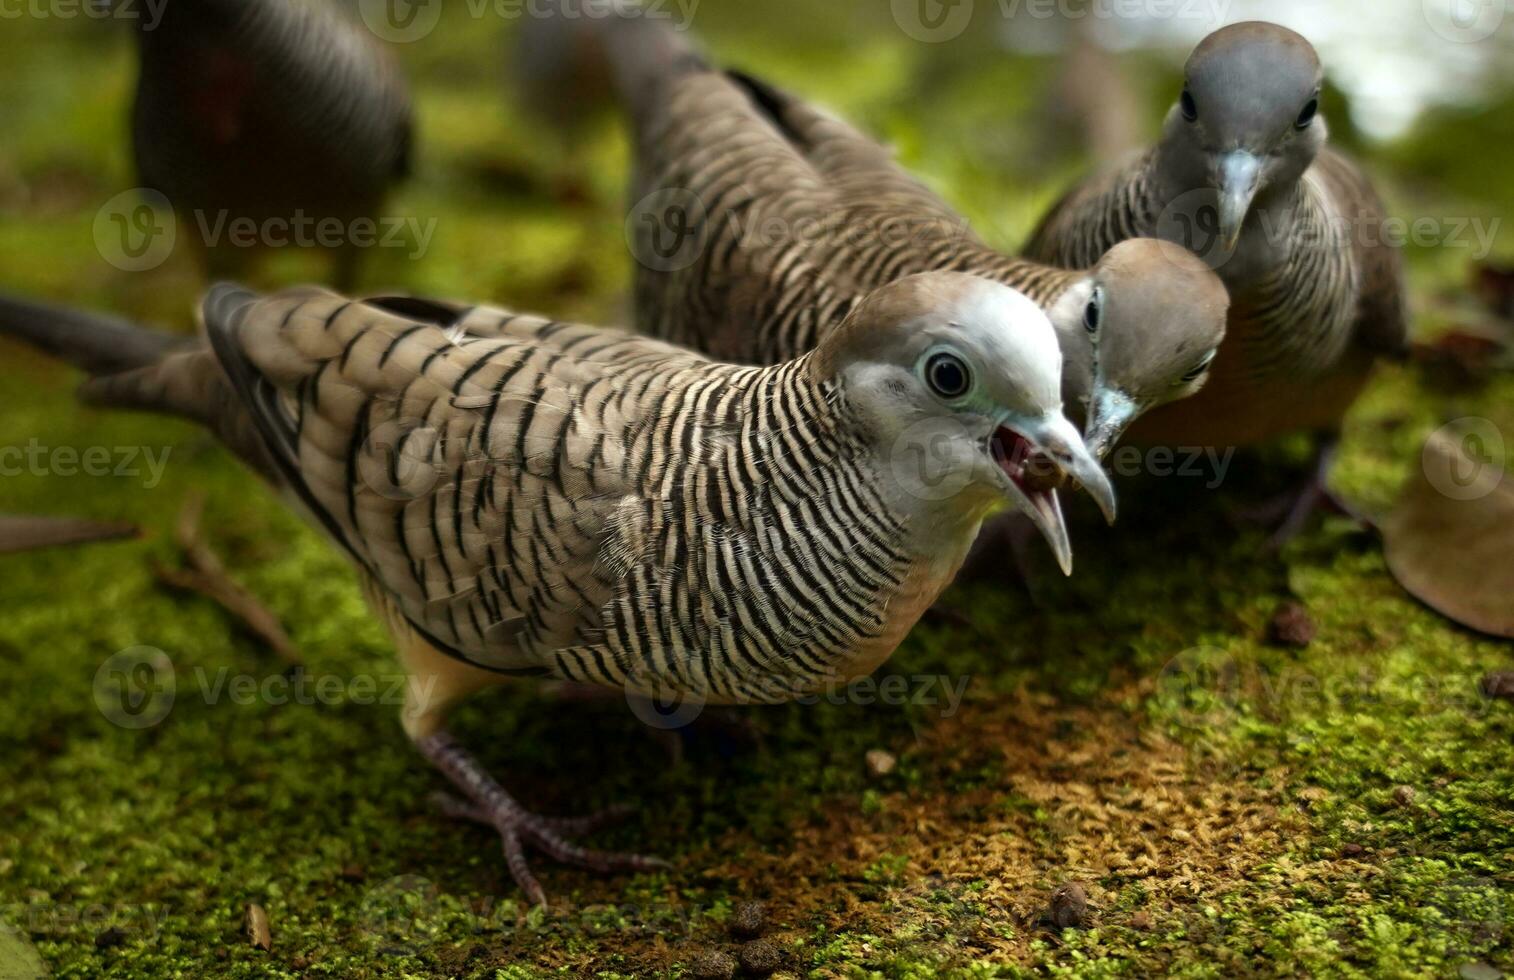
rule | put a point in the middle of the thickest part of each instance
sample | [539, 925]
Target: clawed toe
[487, 803]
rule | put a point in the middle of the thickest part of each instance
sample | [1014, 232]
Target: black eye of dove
[947, 375]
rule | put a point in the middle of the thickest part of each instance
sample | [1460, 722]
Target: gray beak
[1055, 438]
[1238, 176]
[1110, 412]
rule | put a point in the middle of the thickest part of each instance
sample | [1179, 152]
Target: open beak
[1052, 438]
[1239, 175]
[1110, 412]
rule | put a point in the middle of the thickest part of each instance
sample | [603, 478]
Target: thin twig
[207, 575]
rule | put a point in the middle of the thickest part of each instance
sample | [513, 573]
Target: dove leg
[436, 683]
[517, 826]
[1316, 495]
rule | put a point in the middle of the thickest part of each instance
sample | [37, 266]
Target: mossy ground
[1230, 806]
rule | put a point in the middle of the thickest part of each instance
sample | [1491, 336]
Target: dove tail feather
[95, 342]
[138, 369]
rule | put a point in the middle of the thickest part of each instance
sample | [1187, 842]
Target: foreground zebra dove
[778, 218]
[1242, 175]
[268, 111]
[527, 497]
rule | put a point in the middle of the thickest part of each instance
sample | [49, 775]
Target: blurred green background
[1275, 835]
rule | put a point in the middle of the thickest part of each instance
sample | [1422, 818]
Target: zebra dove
[268, 111]
[527, 497]
[1242, 175]
[762, 221]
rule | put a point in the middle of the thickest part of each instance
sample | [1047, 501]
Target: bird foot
[484, 800]
[1292, 511]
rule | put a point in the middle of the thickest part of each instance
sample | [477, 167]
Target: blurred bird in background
[268, 110]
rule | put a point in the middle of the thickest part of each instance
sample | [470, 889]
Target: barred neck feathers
[1294, 281]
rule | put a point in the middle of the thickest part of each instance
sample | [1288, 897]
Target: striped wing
[474, 478]
[1094, 217]
[902, 227]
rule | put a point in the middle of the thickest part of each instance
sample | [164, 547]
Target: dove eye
[1306, 116]
[948, 375]
[1199, 369]
[1093, 313]
[1190, 108]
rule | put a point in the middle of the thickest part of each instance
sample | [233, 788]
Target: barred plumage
[1316, 290]
[648, 532]
[528, 497]
[796, 215]
[266, 109]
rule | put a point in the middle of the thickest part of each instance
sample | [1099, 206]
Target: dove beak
[1239, 177]
[1110, 412]
[1038, 455]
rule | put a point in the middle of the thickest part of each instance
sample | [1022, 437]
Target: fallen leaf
[1449, 540]
[258, 932]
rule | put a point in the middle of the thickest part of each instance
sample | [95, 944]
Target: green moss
[319, 812]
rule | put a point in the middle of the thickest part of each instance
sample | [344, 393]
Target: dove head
[1140, 331]
[1247, 119]
[955, 381]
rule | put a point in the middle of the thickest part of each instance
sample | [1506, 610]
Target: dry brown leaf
[258, 932]
[1450, 541]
